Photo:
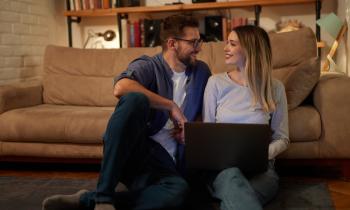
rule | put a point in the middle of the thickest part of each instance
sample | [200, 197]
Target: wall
[26, 27]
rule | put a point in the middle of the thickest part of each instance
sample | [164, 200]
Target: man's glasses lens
[195, 42]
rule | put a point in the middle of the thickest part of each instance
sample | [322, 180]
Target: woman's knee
[228, 174]
[228, 180]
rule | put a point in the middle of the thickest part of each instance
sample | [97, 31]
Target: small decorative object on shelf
[289, 25]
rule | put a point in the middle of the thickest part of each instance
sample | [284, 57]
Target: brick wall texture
[24, 34]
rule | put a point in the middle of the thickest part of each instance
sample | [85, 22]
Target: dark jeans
[131, 157]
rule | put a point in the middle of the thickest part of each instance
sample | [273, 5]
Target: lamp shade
[330, 23]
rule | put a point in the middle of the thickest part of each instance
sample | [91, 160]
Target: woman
[247, 94]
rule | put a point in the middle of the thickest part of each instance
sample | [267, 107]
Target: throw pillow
[298, 80]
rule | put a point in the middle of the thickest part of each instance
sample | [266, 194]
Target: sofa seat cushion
[55, 124]
[304, 124]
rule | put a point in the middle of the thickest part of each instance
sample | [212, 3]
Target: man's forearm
[125, 86]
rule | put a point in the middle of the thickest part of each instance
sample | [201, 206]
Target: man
[143, 142]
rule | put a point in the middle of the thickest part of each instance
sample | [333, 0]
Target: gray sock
[63, 202]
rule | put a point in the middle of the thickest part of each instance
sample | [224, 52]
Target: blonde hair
[256, 47]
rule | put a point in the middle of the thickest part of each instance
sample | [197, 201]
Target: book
[137, 35]
[72, 5]
[105, 4]
[124, 24]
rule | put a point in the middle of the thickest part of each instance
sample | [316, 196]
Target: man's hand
[179, 120]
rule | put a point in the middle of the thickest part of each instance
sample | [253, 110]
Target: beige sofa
[64, 116]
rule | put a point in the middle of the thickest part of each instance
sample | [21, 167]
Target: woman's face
[233, 52]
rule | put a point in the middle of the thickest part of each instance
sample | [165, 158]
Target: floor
[339, 188]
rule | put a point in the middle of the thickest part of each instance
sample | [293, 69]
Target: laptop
[217, 146]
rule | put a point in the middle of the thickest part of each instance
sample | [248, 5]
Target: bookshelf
[75, 16]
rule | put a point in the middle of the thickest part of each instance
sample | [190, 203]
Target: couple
[144, 139]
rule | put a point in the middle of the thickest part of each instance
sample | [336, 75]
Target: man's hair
[173, 26]
[256, 46]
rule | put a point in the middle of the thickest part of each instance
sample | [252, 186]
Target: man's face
[188, 46]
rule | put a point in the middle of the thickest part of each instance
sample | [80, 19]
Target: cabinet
[75, 16]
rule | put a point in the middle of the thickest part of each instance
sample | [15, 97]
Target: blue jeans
[236, 192]
[131, 157]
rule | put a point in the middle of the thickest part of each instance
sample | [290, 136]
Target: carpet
[302, 195]
[26, 193]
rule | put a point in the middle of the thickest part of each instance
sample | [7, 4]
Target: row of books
[146, 32]
[140, 33]
[230, 23]
[77, 5]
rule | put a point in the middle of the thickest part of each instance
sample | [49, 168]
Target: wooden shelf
[183, 7]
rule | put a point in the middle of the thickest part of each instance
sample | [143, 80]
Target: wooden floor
[339, 188]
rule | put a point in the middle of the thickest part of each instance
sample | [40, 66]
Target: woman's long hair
[255, 44]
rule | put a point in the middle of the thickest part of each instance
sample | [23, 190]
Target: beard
[186, 59]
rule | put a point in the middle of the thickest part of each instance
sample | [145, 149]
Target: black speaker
[201, 1]
[213, 28]
[152, 32]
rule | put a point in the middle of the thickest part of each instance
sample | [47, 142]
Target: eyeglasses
[196, 43]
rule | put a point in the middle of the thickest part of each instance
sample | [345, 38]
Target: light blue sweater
[228, 102]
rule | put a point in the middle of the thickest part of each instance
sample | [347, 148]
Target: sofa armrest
[20, 95]
[332, 99]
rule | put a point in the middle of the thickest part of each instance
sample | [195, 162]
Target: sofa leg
[346, 170]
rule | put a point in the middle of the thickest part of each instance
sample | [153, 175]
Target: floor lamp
[336, 28]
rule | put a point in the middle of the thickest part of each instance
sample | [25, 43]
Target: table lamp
[108, 35]
[336, 28]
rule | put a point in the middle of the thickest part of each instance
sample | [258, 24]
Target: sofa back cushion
[295, 63]
[85, 76]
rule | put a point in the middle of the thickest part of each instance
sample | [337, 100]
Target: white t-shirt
[164, 137]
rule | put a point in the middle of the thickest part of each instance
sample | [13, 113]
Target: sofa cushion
[292, 48]
[55, 124]
[298, 80]
[85, 76]
[304, 124]
[295, 63]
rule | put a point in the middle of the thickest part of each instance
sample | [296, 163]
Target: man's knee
[135, 98]
[133, 103]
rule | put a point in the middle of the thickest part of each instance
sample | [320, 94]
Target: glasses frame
[196, 43]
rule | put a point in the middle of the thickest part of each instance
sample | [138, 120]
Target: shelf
[183, 7]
